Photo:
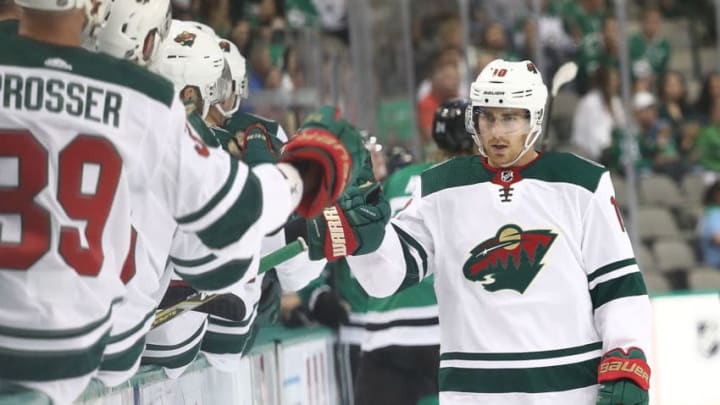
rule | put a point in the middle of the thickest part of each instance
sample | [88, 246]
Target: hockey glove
[328, 152]
[625, 378]
[228, 306]
[254, 145]
[326, 307]
[354, 226]
[269, 304]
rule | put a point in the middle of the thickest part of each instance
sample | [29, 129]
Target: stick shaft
[267, 262]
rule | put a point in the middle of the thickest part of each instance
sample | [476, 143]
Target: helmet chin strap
[522, 153]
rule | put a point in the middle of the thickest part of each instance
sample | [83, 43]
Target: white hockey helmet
[191, 57]
[129, 28]
[507, 84]
[238, 69]
[96, 11]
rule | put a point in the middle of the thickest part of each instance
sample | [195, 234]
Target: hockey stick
[565, 74]
[195, 300]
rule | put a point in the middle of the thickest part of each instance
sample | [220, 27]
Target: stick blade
[565, 73]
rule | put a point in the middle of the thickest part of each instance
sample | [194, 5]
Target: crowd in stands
[674, 132]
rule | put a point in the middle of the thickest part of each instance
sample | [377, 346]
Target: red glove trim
[311, 205]
[616, 368]
[265, 134]
[335, 158]
[340, 240]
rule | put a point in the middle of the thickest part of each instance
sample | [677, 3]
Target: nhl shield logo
[506, 176]
[510, 260]
[708, 338]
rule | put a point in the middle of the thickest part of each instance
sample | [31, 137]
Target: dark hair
[601, 80]
[704, 101]
[663, 79]
[710, 193]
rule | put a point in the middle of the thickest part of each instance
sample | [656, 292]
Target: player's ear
[191, 93]
[188, 93]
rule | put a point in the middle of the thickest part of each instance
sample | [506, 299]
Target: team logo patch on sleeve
[510, 260]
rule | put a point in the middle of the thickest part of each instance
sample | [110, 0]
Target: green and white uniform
[104, 137]
[534, 274]
[175, 344]
[410, 317]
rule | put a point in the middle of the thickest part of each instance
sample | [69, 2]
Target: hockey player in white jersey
[540, 297]
[76, 154]
[194, 68]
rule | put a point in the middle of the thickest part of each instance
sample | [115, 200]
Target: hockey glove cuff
[253, 146]
[354, 226]
[625, 378]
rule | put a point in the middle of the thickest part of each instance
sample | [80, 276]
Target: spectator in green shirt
[707, 145]
[649, 51]
[583, 17]
[596, 50]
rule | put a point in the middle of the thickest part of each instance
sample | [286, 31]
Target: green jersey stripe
[545, 354]
[133, 330]
[54, 334]
[124, 360]
[629, 285]
[179, 360]
[219, 277]
[193, 262]
[611, 267]
[407, 241]
[237, 220]
[529, 380]
[48, 366]
[215, 200]
[412, 272]
[185, 342]
[221, 343]
[213, 320]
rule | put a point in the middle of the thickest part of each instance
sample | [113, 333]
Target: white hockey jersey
[534, 274]
[82, 135]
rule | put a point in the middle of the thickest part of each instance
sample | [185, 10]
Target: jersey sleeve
[404, 256]
[617, 290]
[217, 201]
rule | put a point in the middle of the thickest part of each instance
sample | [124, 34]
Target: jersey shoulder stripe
[456, 172]
[24, 52]
[560, 167]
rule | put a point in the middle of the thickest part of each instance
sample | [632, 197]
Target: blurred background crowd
[389, 65]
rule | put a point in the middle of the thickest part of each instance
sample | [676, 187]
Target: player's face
[503, 132]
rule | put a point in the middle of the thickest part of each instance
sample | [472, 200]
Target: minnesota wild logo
[185, 38]
[510, 260]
